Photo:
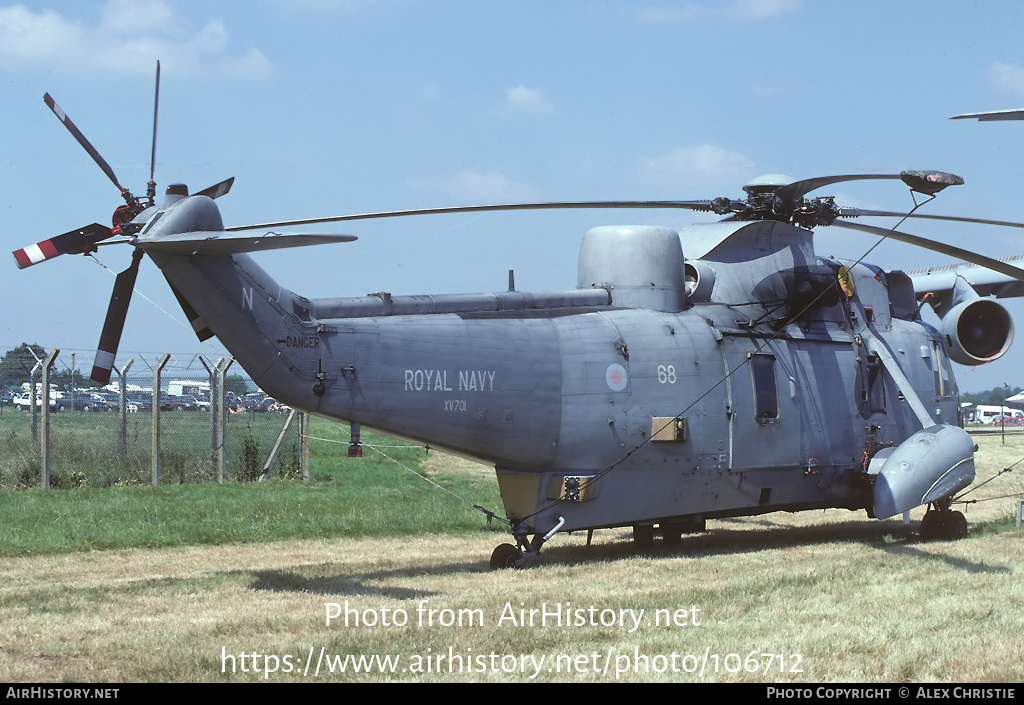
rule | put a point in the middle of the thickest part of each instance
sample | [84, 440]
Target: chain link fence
[163, 420]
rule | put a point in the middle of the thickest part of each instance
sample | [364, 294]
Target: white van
[992, 414]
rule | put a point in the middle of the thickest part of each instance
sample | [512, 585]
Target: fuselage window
[876, 385]
[766, 398]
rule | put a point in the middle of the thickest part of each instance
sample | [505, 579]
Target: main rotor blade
[951, 250]
[856, 212]
[927, 182]
[217, 190]
[156, 108]
[686, 205]
[994, 115]
[113, 326]
[799, 189]
[62, 116]
[74, 242]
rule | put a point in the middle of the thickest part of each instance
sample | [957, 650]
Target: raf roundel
[616, 377]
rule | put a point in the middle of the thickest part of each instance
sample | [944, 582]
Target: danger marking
[300, 341]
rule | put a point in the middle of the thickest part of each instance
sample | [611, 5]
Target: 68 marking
[667, 374]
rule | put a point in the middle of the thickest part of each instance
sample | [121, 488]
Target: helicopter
[717, 371]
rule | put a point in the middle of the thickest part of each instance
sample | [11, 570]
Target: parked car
[141, 401]
[23, 402]
[177, 403]
[196, 403]
[81, 401]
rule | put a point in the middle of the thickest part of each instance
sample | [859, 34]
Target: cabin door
[762, 421]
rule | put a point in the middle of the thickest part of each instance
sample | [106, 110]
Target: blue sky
[322, 107]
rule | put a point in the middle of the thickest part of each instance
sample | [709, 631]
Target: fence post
[156, 416]
[212, 373]
[222, 451]
[33, 395]
[304, 444]
[122, 407]
[44, 444]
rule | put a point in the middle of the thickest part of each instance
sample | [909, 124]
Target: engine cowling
[977, 331]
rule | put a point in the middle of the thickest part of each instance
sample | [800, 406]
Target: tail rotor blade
[117, 311]
[75, 242]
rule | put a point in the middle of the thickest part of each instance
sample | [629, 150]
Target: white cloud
[689, 12]
[128, 39]
[529, 99]
[752, 10]
[761, 9]
[1006, 77]
[135, 16]
[698, 165]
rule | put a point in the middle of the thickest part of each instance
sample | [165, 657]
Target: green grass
[364, 497]
[196, 571]
[86, 450]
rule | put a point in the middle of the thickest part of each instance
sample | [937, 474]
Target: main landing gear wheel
[643, 536]
[505, 556]
[943, 526]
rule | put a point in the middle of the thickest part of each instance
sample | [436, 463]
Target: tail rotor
[85, 240]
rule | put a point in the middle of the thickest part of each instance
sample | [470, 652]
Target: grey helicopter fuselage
[661, 391]
[752, 376]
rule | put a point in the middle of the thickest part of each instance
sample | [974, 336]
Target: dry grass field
[813, 597]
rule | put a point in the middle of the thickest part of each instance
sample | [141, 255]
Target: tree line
[992, 397]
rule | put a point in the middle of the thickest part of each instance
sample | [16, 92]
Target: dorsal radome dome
[767, 183]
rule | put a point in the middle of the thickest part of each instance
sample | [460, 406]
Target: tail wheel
[505, 556]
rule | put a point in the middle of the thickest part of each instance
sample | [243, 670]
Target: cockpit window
[944, 385]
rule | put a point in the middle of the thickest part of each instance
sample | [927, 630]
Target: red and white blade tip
[34, 254]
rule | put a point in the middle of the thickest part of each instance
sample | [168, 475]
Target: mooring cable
[486, 512]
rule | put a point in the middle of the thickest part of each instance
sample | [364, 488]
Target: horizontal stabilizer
[219, 242]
